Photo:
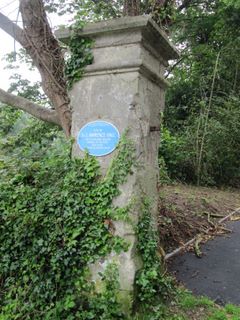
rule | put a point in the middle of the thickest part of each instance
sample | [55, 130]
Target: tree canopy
[38, 40]
[204, 82]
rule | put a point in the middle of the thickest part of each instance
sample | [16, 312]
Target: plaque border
[107, 122]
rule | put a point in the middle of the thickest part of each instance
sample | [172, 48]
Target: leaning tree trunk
[47, 56]
[131, 7]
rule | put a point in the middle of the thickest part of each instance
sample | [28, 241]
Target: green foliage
[52, 226]
[24, 88]
[220, 157]
[187, 302]
[163, 174]
[15, 59]
[80, 55]
[152, 286]
[162, 12]
[176, 155]
[8, 117]
[89, 10]
[107, 306]
[233, 310]
[202, 107]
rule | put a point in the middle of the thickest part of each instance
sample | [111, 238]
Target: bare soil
[185, 211]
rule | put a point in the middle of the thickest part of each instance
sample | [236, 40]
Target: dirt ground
[185, 211]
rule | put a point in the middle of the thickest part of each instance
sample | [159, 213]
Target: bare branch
[184, 5]
[12, 29]
[37, 39]
[174, 66]
[30, 107]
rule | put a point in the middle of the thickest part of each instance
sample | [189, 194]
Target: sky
[10, 9]
[7, 44]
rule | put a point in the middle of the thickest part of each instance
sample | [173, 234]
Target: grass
[186, 306]
[190, 307]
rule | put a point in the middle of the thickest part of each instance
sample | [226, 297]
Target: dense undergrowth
[220, 160]
[55, 220]
[201, 135]
[53, 211]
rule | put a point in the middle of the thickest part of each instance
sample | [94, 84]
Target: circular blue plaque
[98, 138]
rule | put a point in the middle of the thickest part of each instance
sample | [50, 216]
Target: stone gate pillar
[125, 86]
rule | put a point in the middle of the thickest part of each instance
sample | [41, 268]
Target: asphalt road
[217, 273]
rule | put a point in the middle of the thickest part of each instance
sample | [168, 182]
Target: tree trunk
[131, 7]
[30, 107]
[47, 56]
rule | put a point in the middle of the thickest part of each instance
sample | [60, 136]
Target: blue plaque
[98, 138]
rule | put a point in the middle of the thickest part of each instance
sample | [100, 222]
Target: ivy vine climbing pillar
[125, 86]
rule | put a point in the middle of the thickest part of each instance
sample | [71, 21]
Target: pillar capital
[126, 44]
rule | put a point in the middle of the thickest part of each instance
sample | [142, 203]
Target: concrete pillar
[125, 86]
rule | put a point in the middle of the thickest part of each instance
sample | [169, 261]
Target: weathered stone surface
[116, 31]
[125, 86]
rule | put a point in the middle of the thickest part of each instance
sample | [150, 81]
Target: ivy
[153, 287]
[53, 211]
[80, 55]
[106, 305]
[54, 222]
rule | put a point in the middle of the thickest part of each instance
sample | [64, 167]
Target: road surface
[217, 273]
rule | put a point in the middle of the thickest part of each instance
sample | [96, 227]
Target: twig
[214, 215]
[188, 243]
[225, 229]
[229, 216]
[175, 64]
[180, 249]
[198, 252]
